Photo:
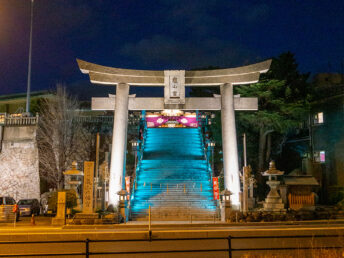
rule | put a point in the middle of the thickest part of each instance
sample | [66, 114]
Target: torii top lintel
[112, 76]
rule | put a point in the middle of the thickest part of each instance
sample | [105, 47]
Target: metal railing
[87, 253]
[231, 249]
[17, 120]
[94, 119]
[150, 238]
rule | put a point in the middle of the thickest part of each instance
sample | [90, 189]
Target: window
[319, 118]
[25, 202]
[10, 201]
[320, 156]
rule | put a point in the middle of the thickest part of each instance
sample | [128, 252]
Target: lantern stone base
[226, 210]
[273, 201]
[274, 205]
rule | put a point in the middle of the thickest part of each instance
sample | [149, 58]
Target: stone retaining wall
[19, 171]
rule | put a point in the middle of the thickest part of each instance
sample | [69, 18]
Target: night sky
[166, 34]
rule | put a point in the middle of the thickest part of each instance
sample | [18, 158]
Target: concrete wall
[19, 171]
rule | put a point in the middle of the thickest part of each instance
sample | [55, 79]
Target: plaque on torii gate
[174, 82]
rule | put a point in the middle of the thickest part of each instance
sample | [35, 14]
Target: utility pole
[245, 176]
[96, 179]
[29, 68]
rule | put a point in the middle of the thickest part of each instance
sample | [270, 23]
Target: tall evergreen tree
[283, 96]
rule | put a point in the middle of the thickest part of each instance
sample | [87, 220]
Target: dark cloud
[161, 34]
[185, 54]
[63, 16]
[196, 18]
[253, 13]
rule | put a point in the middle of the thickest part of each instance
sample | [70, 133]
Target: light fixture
[226, 195]
[172, 112]
[122, 195]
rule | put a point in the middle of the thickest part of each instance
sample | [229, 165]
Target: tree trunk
[261, 160]
[262, 147]
[261, 150]
[60, 185]
[268, 148]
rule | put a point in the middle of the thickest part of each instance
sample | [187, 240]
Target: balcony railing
[17, 119]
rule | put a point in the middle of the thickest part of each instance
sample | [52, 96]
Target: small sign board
[174, 92]
[216, 188]
[61, 205]
[127, 186]
[87, 206]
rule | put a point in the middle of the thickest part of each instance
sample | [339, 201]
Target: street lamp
[135, 144]
[29, 67]
[226, 204]
[122, 197]
[226, 195]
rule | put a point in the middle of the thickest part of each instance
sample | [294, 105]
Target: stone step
[176, 210]
[165, 216]
[149, 198]
[173, 159]
[196, 190]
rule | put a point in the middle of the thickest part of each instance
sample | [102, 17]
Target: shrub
[71, 199]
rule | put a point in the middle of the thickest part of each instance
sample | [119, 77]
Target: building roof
[300, 180]
[20, 97]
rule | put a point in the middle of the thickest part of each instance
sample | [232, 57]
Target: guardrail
[229, 248]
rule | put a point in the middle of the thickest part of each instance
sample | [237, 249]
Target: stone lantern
[273, 201]
[73, 180]
[225, 205]
[122, 205]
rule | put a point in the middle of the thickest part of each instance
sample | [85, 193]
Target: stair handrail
[202, 142]
[138, 164]
[206, 150]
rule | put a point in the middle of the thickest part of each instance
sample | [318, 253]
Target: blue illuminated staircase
[173, 177]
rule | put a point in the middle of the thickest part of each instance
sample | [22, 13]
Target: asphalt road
[168, 238]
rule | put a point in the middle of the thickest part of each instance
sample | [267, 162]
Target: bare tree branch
[61, 139]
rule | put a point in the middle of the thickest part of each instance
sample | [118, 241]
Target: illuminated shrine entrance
[172, 118]
[174, 82]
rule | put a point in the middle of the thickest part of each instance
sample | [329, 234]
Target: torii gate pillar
[229, 144]
[119, 142]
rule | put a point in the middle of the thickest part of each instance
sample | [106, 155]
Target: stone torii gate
[174, 82]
